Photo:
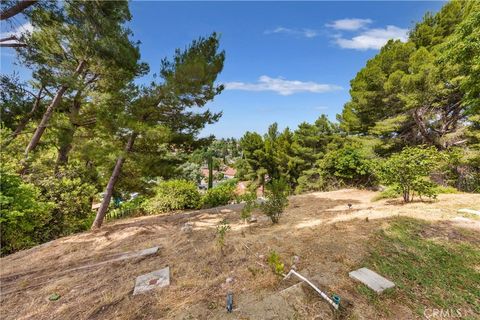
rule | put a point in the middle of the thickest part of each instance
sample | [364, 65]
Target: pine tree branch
[16, 9]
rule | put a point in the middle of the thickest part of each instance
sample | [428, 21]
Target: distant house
[205, 172]
[218, 176]
[229, 173]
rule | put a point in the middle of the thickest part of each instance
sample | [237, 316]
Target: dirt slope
[329, 238]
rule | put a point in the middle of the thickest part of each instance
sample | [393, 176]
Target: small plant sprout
[222, 229]
[247, 209]
[275, 263]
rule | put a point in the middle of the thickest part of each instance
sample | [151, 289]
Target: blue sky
[286, 62]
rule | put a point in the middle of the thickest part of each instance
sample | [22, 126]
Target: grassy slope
[432, 270]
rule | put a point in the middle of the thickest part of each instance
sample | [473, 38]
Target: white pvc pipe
[324, 296]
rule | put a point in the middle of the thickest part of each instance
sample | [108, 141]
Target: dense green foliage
[130, 208]
[409, 172]
[173, 195]
[219, 195]
[22, 215]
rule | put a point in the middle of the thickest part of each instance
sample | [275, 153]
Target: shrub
[350, 166]
[310, 180]
[276, 200]
[389, 193]
[222, 229]
[73, 204]
[220, 195]
[22, 213]
[446, 190]
[173, 195]
[409, 172]
[191, 172]
[134, 207]
[250, 205]
[247, 196]
[275, 263]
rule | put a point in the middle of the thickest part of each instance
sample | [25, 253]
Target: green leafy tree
[407, 94]
[254, 158]
[76, 44]
[462, 49]
[409, 171]
[11, 8]
[161, 114]
[18, 104]
[73, 203]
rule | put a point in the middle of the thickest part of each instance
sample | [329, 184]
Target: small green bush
[247, 196]
[352, 165]
[409, 171]
[173, 195]
[348, 166]
[389, 193]
[220, 195]
[276, 201]
[131, 208]
[250, 205]
[222, 228]
[446, 189]
[274, 261]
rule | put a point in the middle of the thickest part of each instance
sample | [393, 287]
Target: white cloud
[372, 38]
[349, 24]
[17, 32]
[281, 86]
[307, 33]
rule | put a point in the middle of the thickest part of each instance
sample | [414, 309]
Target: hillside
[328, 238]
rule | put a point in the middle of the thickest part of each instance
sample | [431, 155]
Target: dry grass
[329, 238]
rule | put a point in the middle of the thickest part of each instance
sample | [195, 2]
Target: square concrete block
[371, 279]
[156, 279]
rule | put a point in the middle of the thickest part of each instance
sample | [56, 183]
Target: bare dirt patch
[329, 236]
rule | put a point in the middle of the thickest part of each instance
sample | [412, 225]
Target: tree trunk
[111, 184]
[420, 122]
[23, 122]
[49, 112]
[16, 9]
[65, 147]
[67, 134]
[210, 172]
